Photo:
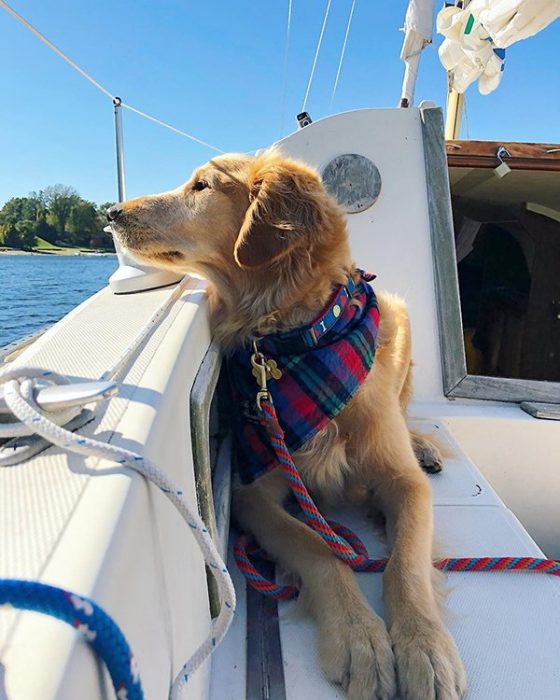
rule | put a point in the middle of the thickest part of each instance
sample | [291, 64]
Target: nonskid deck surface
[94, 528]
[505, 625]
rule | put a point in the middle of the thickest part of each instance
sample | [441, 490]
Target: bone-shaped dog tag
[272, 369]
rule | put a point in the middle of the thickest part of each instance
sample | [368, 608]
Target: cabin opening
[507, 242]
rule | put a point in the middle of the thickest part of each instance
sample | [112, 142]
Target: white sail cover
[508, 21]
[476, 37]
[418, 25]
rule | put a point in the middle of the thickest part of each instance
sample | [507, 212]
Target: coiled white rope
[18, 385]
[19, 429]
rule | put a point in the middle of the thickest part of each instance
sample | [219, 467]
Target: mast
[455, 102]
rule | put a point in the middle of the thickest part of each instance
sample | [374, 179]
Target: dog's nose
[113, 213]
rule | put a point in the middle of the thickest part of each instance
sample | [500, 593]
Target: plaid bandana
[322, 367]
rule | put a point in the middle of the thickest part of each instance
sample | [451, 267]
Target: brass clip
[263, 370]
[258, 361]
[262, 396]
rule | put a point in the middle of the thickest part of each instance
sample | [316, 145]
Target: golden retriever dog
[273, 245]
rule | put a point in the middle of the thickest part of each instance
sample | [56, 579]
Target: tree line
[58, 215]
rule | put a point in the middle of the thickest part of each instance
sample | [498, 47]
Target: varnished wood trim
[454, 160]
[524, 156]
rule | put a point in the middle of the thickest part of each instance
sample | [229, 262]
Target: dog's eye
[200, 185]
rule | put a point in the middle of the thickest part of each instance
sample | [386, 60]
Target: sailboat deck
[100, 531]
[505, 624]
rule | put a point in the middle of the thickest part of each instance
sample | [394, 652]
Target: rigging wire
[94, 82]
[51, 46]
[171, 128]
[343, 51]
[285, 80]
[317, 50]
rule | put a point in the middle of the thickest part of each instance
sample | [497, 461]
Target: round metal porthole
[353, 180]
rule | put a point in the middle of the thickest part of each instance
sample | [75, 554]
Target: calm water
[40, 289]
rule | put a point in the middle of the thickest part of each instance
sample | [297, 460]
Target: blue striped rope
[97, 628]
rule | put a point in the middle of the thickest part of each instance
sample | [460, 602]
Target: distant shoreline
[68, 252]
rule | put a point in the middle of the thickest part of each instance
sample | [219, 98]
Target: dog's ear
[285, 210]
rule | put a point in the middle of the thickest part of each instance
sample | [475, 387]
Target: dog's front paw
[427, 661]
[357, 655]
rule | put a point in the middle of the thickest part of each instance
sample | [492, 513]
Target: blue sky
[215, 68]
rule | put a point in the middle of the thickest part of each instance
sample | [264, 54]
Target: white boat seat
[461, 484]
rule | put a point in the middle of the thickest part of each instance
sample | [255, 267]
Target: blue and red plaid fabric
[322, 365]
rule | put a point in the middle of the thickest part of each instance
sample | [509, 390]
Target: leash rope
[19, 384]
[96, 627]
[345, 544]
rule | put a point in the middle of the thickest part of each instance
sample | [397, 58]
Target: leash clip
[258, 361]
[262, 396]
[263, 370]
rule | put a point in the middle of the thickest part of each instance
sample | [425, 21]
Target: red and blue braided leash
[344, 543]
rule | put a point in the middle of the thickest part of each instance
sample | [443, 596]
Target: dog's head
[236, 211]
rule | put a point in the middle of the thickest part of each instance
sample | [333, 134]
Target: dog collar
[309, 336]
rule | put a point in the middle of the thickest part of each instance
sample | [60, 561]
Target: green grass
[42, 244]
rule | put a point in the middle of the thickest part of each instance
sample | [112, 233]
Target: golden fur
[273, 244]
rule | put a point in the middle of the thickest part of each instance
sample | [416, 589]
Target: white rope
[19, 429]
[317, 50]
[343, 51]
[18, 393]
[285, 77]
[94, 82]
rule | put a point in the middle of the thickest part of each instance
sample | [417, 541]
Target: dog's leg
[355, 648]
[427, 454]
[427, 661]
